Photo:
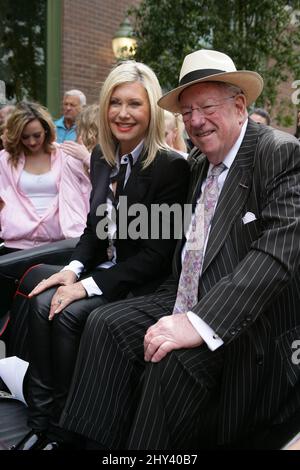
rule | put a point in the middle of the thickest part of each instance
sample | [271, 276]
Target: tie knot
[127, 159]
[217, 170]
[120, 175]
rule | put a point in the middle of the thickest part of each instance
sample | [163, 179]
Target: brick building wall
[87, 30]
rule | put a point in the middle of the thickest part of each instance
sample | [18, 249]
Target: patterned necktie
[187, 293]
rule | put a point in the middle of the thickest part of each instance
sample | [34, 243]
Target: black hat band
[198, 74]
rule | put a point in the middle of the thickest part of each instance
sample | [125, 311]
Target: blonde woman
[174, 133]
[106, 265]
[37, 206]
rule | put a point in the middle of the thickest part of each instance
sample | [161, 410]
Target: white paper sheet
[12, 372]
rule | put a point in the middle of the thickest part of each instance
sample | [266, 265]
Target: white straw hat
[212, 66]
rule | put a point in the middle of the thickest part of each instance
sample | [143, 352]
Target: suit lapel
[199, 170]
[233, 196]
[199, 174]
[101, 174]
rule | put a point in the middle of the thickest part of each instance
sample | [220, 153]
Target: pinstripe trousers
[124, 403]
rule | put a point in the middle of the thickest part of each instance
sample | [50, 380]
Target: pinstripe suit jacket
[249, 291]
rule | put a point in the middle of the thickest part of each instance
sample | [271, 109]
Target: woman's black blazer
[141, 263]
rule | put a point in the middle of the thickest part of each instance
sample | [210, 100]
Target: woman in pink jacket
[44, 193]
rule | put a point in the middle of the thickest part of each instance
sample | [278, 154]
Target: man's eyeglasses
[204, 110]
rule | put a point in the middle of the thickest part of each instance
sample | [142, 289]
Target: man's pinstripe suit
[249, 294]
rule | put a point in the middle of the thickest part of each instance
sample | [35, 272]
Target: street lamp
[123, 43]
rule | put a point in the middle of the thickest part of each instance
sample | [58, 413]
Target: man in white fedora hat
[207, 361]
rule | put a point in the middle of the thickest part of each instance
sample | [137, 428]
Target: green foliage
[285, 113]
[257, 35]
[22, 48]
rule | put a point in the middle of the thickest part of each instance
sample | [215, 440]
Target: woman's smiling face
[129, 115]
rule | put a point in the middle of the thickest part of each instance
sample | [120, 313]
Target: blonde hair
[129, 72]
[24, 113]
[177, 125]
[8, 109]
[87, 126]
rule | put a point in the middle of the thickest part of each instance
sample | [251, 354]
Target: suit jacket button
[232, 332]
[259, 360]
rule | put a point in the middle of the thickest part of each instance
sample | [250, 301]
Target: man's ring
[60, 301]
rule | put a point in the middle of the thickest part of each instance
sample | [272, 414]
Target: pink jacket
[21, 227]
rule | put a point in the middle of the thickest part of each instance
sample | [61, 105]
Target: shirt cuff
[91, 287]
[75, 266]
[210, 337]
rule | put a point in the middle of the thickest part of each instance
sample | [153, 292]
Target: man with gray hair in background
[73, 102]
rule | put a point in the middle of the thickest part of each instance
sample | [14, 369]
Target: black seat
[14, 265]
[13, 419]
[13, 413]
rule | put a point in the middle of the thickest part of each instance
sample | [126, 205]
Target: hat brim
[250, 82]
